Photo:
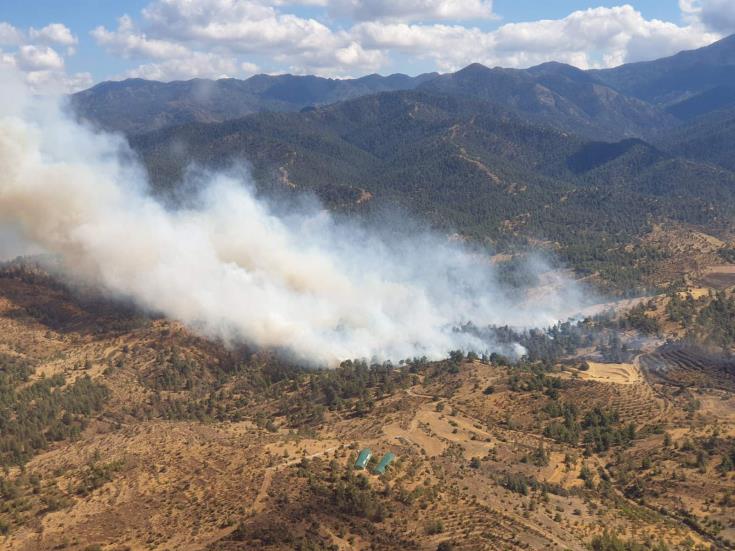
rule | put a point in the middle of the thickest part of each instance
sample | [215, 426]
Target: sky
[66, 45]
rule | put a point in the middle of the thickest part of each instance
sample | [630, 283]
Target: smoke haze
[230, 266]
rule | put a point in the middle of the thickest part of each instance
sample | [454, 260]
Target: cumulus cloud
[127, 42]
[35, 58]
[196, 65]
[413, 10]
[55, 82]
[54, 33]
[174, 30]
[252, 27]
[9, 35]
[717, 15]
[169, 34]
[598, 37]
[166, 59]
[34, 53]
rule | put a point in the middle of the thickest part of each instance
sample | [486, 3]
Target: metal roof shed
[363, 458]
[387, 460]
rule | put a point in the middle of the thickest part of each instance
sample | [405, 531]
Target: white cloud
[55, 33]
[45, 81]
[9, 35]
[128, 42]
[186, 38]
[241, 25]
[196, 65]
[719, 15]
[168, 56]
[598, 37]
[35, 58]
[176, 28]
[58, 82]
[249, 68]
[413, 10]
[41, 64]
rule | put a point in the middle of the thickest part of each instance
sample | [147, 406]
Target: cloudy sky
[66, 45]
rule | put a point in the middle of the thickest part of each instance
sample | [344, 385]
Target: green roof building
[363, 458]
[387, 460]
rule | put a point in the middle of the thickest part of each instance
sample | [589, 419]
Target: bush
[611, 542]
[434, 527]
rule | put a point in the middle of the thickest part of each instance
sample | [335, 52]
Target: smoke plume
[232, 267]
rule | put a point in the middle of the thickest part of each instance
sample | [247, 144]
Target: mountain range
[581, 161]
[633, 100]
[136, 105]
[127, 424]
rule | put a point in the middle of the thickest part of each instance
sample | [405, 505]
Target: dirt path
[259, 502]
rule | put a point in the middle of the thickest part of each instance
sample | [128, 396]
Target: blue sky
[170, 39]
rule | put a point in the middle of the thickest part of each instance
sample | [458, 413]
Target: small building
[363, 458]
[387, 460]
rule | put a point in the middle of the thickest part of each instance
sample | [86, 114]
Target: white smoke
[230, 267]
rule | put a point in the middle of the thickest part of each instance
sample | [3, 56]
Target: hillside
[553, 94]
[707, 138]
[486, 310]
[550, 156]
[466, 166]
[136, 105]
[674, 79]
[633, 100]
[134, 433]
[558, 95]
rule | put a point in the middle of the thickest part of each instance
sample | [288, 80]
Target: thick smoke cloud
[231, 267]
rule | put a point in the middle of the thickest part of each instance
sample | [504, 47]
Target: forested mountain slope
[671, 80]
[559, 95]
[137, 105]
[633, 100]
[507, 157]
[465, 165]
[709, 138]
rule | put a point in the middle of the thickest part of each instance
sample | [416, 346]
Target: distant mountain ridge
[134, 106]
[636, 100]
[550, 154]
[558, 95]
[670, 80]
[465, 165]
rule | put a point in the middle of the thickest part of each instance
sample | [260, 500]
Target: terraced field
[688, 366]
[719, 277]
[481, 528]
[636, 403]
